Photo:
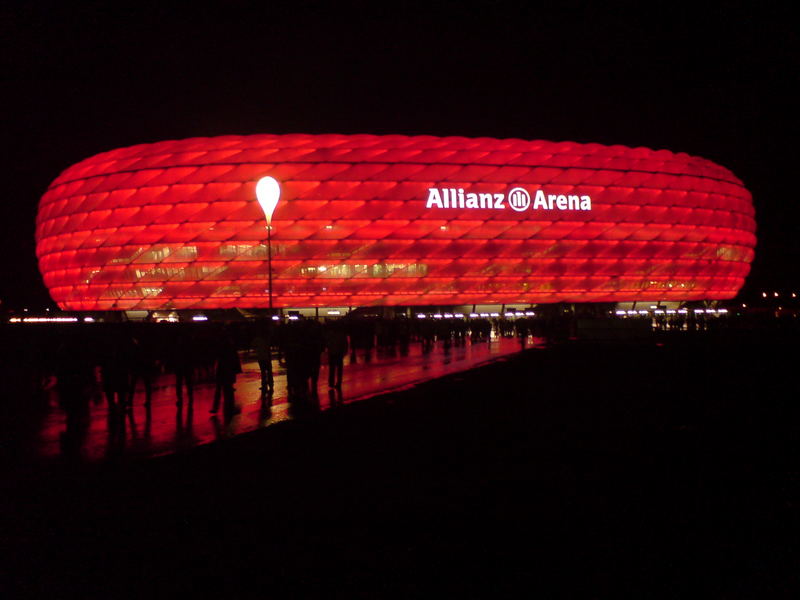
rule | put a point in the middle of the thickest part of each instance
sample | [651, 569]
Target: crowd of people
[120, 360]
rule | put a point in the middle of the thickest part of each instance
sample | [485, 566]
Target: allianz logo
[518, 199]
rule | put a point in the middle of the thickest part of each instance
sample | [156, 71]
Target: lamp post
[268, 192]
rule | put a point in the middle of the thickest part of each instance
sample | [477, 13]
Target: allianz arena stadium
[390, 220]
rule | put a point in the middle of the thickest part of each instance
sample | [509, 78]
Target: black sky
[80, 79]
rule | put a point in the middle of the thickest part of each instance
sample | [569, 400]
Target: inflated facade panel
[398, 220]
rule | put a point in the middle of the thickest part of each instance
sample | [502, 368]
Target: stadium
[366, 220]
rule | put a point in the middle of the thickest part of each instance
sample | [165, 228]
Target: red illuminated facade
[176, 224]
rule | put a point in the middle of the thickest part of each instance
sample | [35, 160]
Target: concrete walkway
[164, 428]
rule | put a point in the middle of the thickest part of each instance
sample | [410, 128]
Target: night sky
[80, 79]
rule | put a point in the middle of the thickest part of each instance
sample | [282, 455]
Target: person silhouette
[262, 345]
[336, 345]
[228, 367]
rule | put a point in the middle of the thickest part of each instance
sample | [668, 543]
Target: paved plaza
[164, 428]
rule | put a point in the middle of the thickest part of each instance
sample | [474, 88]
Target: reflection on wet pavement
[164, 428]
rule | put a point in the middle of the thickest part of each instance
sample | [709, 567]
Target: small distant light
[508, 315]
[632, 312]
[658, 312]
[88, 319]
[420, 316]
[14, 320]
[294, 318]
[448, 316]
[722, 311]
[671, 311]
[199, 318]
[322, 269]
[276, 318]
[643, 312]
[47, 320]
[24, 310]
[652, 306]
[698, 310]
[621, 312]
[763, 294]
[776, 294]
[473, 315]
[683, 311]
[530, 313]
[334, 312]
[443, 228]
[46, 310]
[437, 316]
[744, 305]
[328, 226]
[494, 315]
[794, 295]
[459, 315]
[484, 314]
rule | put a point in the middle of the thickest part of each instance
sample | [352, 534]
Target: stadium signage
[518, 199]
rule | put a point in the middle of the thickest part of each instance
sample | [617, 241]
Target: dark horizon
[714, 84]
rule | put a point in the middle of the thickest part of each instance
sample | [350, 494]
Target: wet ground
[164, 427]
[667, 468]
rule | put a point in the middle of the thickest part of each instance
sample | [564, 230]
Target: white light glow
[494, 315]
[420, 316]
[437, 316]
[683, 311]
[621, 312]
[322, 269]
[334, 312]
[199, 318]
[44, 320]
[473, 315]
[294, 318]
[671, 311]
[268, 192]
[530, 313]
[722, 311]
[276, 318]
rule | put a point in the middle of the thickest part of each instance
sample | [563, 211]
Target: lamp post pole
[269, 262]
[268, 192]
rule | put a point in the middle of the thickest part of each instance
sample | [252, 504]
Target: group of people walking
[122, 360]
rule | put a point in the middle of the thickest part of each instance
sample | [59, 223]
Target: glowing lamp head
[268, 192]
